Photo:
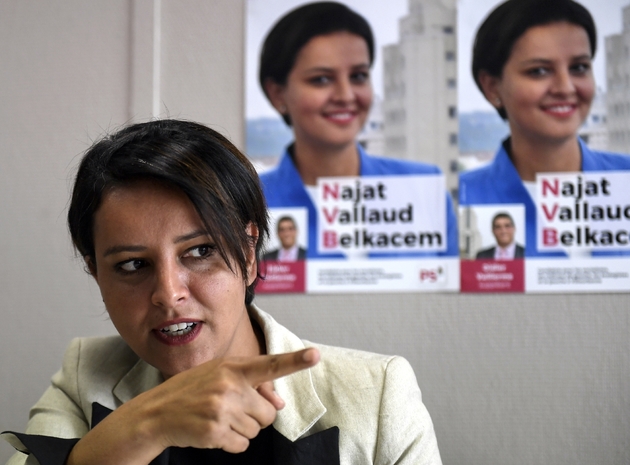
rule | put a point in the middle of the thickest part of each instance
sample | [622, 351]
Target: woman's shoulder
[605, 161]
[359, 365]
[381, 165]
[283, 168]
[348, 353]
[377, 404]
[100, 349]
[476, 174]
[268, 175]
[499, 163]
[103, 370]
[96, 363]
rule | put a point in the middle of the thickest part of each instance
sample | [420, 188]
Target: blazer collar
[139, 379]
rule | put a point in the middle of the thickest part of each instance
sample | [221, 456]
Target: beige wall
[71, 70]
[508, 379]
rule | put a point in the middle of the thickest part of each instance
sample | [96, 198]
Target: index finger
[269, 367]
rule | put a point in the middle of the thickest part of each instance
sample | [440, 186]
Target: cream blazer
[373, 399]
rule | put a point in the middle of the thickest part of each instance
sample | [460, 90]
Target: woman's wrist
[130, 435]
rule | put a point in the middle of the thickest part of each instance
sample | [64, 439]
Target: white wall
[71, 70]
[508, 379]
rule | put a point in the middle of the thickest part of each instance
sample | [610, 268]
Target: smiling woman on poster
[532, 59]
[315, 70]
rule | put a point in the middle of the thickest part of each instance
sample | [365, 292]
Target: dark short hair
[283, 219]
[500, 215]
[217, 178]
[296, 28]
[510, 20]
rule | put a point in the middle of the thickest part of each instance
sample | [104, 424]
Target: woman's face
[328, 92]
[547, 84]
[167, 290]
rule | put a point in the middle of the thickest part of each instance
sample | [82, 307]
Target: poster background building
[618, 83]
[420, 87]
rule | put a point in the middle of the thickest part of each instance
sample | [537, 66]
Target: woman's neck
[260, 337]
[540, 156]
[315, 162]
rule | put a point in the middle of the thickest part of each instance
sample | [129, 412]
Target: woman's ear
[90, 266]
[490, 86]
[252, 265]
[275, 94]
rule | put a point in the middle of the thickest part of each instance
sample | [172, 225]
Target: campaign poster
[284, 257]
[492, 248]
[575, 237]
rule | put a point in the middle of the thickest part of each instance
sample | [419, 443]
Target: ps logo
[432, 275]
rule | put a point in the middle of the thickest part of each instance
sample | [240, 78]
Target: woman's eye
[580, 68]
[131, 266]
[538, 71]
[200, 251]
[360, 78]
[320, 80]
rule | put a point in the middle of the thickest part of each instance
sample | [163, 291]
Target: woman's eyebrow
[328, 69]
[545, 61]
[123, 248]
[140, 248]
[537, 61]
[189, 236]
[585, 56]
[320, 69]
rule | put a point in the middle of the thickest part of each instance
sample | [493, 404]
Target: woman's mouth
[341, 117]
[564, 109]
[178, 329]
[178, 333]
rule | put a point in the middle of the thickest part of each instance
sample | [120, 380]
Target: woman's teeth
[340, 116]
[178, 329]
[560, 108]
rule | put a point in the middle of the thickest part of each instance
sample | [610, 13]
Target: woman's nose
[344, 90]
[171, 287]
[563, 83]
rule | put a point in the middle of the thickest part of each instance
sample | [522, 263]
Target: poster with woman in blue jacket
[374, 223]
[533, 63]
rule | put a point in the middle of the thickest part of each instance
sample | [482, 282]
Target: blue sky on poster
[383, 15]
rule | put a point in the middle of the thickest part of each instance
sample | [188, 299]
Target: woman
[315, 70]
[170, 220]
[532, 61]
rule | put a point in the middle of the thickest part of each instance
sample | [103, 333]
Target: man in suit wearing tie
[506, 249]
[290, 250]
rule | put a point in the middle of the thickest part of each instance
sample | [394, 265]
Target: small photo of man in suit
[290, 251]
[506, 249]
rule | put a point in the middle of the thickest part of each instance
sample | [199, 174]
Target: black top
[268, 448]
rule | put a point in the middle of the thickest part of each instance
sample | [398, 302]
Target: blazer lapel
[139, 379]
